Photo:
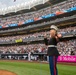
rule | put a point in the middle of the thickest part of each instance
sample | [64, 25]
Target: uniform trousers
[53, 65]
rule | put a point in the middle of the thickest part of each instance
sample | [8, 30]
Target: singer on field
[52, 51]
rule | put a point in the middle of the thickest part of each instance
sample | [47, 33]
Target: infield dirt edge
[6, 72]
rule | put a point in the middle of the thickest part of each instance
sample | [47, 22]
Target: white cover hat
[54, 27]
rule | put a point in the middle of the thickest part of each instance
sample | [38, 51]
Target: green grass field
[25, 68]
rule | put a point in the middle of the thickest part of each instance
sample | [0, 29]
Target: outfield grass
[25, 68]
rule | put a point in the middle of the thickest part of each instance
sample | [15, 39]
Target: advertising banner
[11, 25]
[67, 59]
[18, 40]
[29, 21]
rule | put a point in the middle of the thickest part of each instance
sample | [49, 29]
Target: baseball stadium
[23, 25]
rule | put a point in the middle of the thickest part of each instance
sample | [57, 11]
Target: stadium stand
[24, 33]
[64, 48]
[64, 32]
[37, 15]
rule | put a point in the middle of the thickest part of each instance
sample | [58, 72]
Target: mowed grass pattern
[26, 68]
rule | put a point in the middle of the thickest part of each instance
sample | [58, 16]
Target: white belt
[52, 46]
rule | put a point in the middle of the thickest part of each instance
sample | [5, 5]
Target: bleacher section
[22, 34]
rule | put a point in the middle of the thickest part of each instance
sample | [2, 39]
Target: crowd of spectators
[34, 48]
[23, 17]
[39, 24]
[64, 32]
[9, 38]
[64, 47]
[67, 47]
[67, 30]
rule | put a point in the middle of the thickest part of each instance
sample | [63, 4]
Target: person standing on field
[52, 51]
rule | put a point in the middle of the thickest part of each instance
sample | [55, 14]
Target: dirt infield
[5, 72]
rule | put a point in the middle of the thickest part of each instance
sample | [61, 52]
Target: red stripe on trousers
[54, 66]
